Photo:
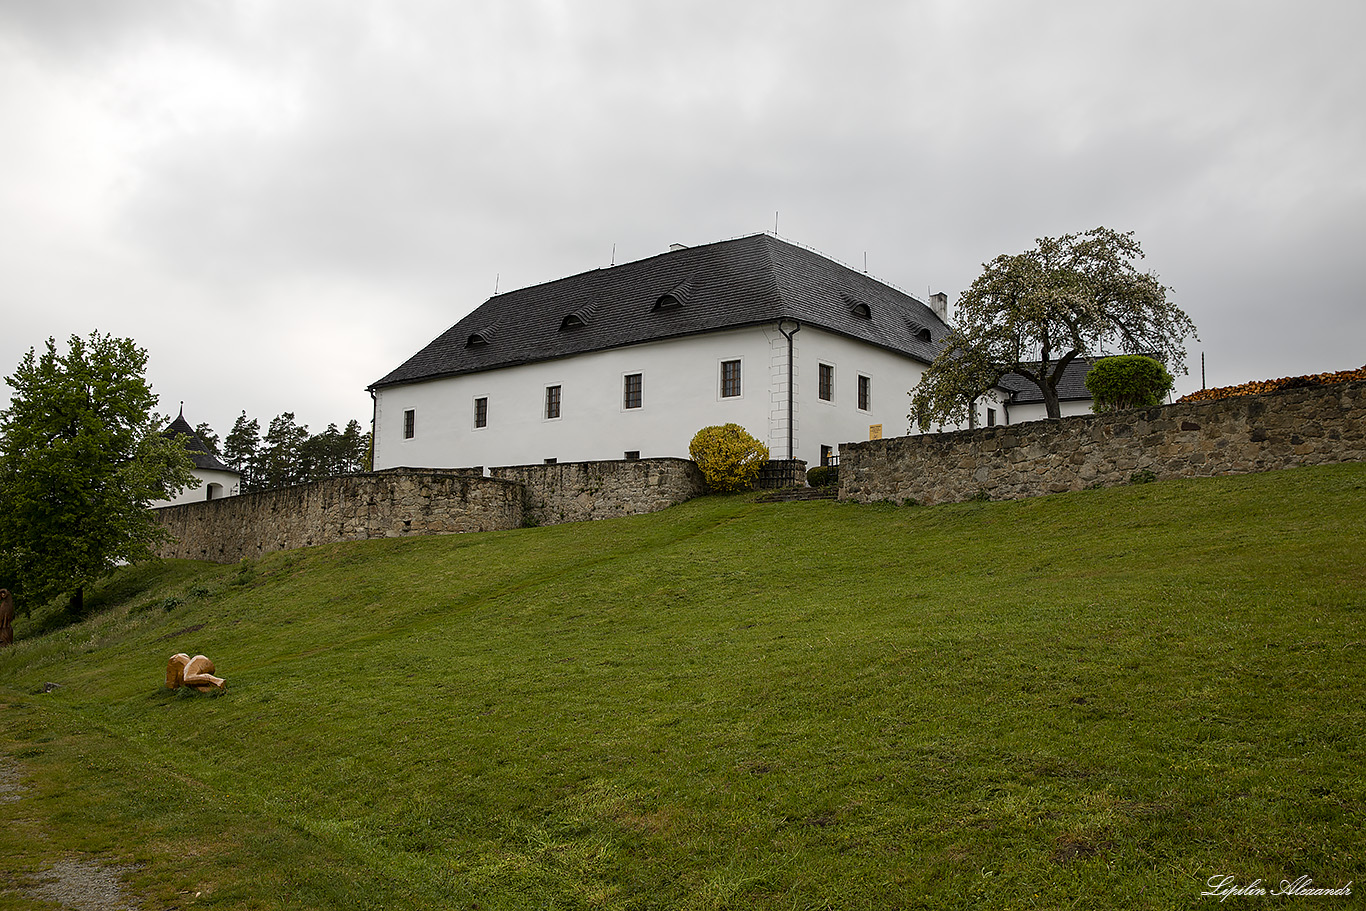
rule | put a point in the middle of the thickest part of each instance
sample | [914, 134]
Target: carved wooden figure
[6, 617]
[196, 673]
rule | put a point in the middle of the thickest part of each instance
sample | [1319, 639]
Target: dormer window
[479, 339]
[923, 334]
[675, 297]
[579, 318]
[857, 307]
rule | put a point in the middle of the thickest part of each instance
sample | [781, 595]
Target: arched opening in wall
[213, 491]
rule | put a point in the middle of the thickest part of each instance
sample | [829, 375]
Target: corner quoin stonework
[1287, 429]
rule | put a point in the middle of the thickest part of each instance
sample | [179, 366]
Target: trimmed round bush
[1127, 381]
[729, 458]
[823, 476]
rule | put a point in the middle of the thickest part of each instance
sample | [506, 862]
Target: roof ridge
[839, 262]
[615, 266]
[741, 281]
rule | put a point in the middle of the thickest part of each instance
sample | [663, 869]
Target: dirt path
[79, 884]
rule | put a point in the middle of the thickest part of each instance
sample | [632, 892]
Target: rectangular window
[827, 383]
[481, 412]
[991, 417]
[865, 393]
[552, 402]
[826, 453]
[632, 455]
[632, 390]
[409, 423]
[730, 378]
[552, 461]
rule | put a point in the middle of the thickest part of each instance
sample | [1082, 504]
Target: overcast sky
[282, 200]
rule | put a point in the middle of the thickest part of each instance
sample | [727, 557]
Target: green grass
[1098, 699]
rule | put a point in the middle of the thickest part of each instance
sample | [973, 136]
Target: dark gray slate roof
[748, 281]
[199, 452]
[1071, 387]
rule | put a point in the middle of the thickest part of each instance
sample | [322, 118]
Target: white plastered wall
[890, 378]
[681, 393]
[1019, 414]
[223, 483]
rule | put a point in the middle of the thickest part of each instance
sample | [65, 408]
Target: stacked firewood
[1286, 382]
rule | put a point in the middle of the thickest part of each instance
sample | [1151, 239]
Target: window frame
[554, 400]
[737, 381]
[863, 396]
[627, 392]
[409, 423]
[481, 412]
[825, 382]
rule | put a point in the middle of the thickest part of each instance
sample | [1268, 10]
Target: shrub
[729, 458]
[1127, 381]
[823, 476]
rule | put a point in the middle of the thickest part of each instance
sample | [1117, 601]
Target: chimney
[939, 303]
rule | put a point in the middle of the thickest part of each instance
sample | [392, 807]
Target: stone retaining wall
[1197, 439]
[779, 473]
[375, 505]
[582, 491]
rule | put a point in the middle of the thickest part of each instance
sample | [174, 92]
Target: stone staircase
[796, 494]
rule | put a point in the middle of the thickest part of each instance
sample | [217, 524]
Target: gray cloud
[337, 183]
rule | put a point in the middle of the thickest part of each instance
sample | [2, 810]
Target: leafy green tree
[1033, 313]
[288, 454]
[1127, 381]
[208, 438]
[334, 452]
[355, 448]
[242, 451]
[282, 453]
[961, 374]
[82, 457]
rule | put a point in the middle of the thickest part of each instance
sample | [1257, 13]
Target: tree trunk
[1050, 399]
[77, 602]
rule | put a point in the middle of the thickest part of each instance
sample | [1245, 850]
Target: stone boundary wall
[1284, 429]
[779, 473]
[583, 491]
[381, 504]
[419, 501]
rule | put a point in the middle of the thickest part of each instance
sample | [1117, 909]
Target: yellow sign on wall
[874, 431]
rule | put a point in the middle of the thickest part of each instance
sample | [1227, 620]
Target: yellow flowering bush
[729, 458]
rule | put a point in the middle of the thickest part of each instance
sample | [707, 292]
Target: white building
[216, 480]
[631, 361]
[1022, 401]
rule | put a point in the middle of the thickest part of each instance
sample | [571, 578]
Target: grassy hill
[1098, 699]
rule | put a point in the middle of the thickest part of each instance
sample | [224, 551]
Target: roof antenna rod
[775, 221]
[495, 282]
[614, 255]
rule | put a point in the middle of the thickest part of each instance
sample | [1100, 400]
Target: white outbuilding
[216, 480]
